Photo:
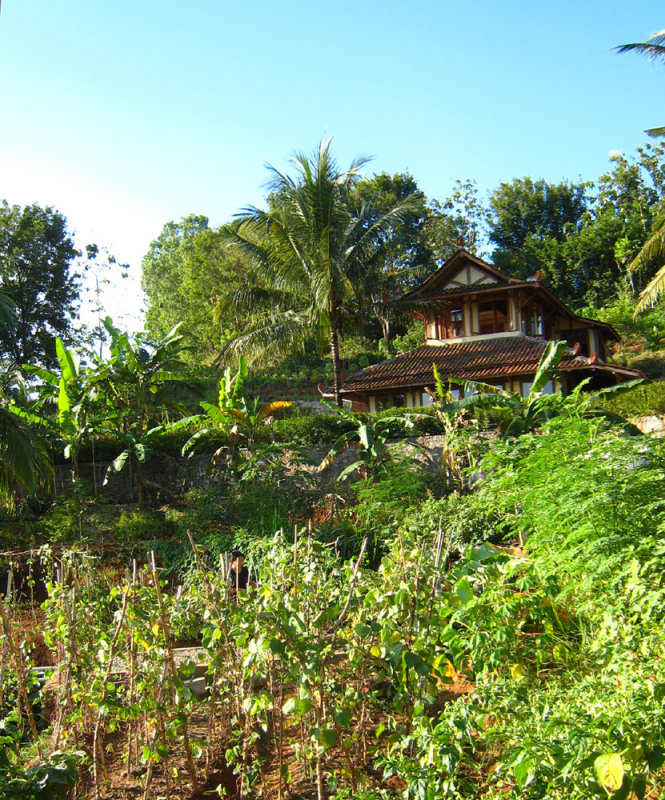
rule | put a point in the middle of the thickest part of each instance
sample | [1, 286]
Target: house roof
[479, 359]
[439, 289]
[438, 280]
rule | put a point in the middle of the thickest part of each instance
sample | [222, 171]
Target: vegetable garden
[508, 644]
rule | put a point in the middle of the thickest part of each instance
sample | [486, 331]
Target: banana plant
[138, 449]
[236, 414]
[370, 436]
[136, 384]
[69, 389]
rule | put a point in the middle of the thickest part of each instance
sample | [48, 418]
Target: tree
[458, 221]
[408, 257]
[137, 384]
[24, 459]
[645, 246]
[529, 221]
[37, 257]
[237, 414]
[189, 275]
[162, 269]
[308, 253]
[654, 247]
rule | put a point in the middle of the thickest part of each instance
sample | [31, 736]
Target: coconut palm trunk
[334, 355]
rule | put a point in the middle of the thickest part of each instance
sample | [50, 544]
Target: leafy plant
[237, 414]
[370, 436]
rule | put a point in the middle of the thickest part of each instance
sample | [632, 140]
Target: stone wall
[653, 424]
[165, 477]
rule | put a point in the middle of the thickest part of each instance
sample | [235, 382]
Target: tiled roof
[478, 359]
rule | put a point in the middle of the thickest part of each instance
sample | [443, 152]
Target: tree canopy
[310, 253]
[38, 272]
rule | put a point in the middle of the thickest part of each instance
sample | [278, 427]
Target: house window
[493, 317]
[532, 322]
[456, 322]
[399, 400]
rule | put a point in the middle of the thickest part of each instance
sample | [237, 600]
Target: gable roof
[482, 359]
[441, 288]
[444, 279]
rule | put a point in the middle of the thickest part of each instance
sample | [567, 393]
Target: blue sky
[124, 115]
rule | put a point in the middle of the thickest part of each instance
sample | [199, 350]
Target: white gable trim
[470, 275]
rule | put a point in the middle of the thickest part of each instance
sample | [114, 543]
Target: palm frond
[653, 248]
[652, 292]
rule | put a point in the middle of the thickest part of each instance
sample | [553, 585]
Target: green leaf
[524, 772]
[290, 706]
[608, 769]
[464, 591]
[343, 718]
[297, 707]
[547, 365]
[327, 736]
[277, 646]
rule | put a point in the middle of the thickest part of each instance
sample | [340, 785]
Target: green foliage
[646, 329]
[163, 273]
[414, 337]
[546, 657]
[305, 430]
[50, 779]
[463, 521]
[37, 258]
[189, 276]
[641, 401]
[371, 436]
[309, 255]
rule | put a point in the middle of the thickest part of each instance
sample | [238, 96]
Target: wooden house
[484, 325]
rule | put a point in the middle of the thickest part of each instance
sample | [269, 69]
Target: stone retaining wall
[165, 477]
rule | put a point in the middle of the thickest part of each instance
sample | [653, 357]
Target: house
[484, 325]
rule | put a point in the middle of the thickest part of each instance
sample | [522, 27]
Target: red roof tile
[480, 359]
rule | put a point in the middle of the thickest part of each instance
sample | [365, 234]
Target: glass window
[457, 321]
[493, 316]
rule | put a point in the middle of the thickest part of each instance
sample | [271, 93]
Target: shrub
[642, 401]
[309, 429]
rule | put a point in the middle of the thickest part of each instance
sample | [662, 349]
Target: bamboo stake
[352, 584]
[131, 665]
[103, 689]
[174, 673]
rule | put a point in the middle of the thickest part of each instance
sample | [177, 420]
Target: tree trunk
[334, 354]
[385, 327]
[139, 484]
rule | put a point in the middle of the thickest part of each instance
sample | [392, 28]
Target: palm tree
[654, 247]
[653, 48]
[309, 253]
